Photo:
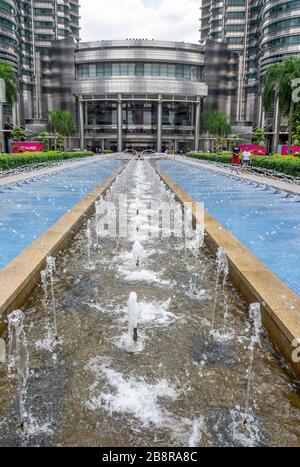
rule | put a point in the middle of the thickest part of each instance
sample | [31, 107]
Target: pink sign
[26, 146]
[254, 149]
[293, 150]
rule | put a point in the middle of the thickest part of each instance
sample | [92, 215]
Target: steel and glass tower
[234, 22]
[262, 32]
[27, 30]
[42, 22]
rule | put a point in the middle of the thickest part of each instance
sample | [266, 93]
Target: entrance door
[140, 147]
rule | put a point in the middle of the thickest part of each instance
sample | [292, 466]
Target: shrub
[10, 161]
[288, 165]
[223, 157]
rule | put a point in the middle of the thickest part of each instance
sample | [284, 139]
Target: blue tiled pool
[267, 224]
[26, 211]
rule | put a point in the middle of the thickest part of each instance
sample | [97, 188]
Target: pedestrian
[246, 157]
[236, 151]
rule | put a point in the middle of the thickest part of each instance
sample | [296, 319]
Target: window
[156, 69]
[115, 69]
[168, 70]
[236, 2]
[287, 23]
[283, 7]
[286, 40]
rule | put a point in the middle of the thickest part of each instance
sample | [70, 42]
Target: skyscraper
[27, 29]
[261, 32]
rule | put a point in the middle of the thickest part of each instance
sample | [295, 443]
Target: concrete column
[276, 125]
[197, 124]
[38, 88]
[159, 124]
[81, 125]
[261, 112]
[120, 123]
[2, 149]
[176, 146]
[15, 115]
[263, 119]
[103, 144]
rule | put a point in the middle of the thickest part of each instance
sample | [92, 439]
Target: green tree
[61, 122]
[43, 138]
[18, 134]
[277, 84]
[259, 137]
[60, 142]
[217, 125]
[8, 74]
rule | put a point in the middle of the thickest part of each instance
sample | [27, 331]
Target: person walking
[246, 158]
[236, 151]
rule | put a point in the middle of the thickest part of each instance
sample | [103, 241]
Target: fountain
[187, 389]
[194, 288]
[138, 253]
[47, 278]
[133, 316]
[2, 351]
[222, 268]
[19, 360]
[98, 211]
[90, 264]
[255, 317]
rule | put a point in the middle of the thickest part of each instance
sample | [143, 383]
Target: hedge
[288, 165]
[208, 156]
[10, 161]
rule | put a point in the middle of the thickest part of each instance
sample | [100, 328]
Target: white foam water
[156, 313]
[144, 275]
[128, 395]
[256, 318]
[197, 433]
[34, 427]
[19, 358]
[126, 343]
[133, 313]
[138, 253]
[246, 434]
[224, 336]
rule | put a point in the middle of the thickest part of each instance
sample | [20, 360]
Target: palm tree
[278, 84]
[216, 124]
[61, 122]
[7, 73]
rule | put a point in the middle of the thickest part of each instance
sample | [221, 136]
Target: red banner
[254, 149]
[293, 150]
[26, 146]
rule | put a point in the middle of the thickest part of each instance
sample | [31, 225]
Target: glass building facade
[166, 70]
[141, 94]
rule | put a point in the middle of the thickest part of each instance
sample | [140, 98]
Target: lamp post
[2, 101]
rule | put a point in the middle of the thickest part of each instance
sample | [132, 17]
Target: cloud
[176, 20]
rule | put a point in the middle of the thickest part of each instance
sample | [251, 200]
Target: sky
[176, 20]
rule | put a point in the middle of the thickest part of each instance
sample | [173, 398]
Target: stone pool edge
[20, 277]
[255, 281]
